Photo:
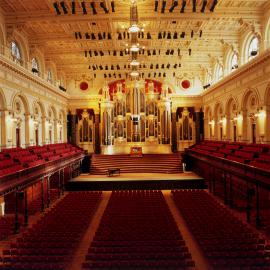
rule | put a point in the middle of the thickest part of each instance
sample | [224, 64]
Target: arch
[40, 59]
[245, 45]
[229, 103]
[24, 101]
[52, 67]
[3, 102]
[246, 96]
[19, 39]
[41, 106]
[267, 96]
[217, 107]
[267, 34]
[2, 35]
[54, 112]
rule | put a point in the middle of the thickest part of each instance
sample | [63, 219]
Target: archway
[250, 126]
[219, 128]
[231, 119]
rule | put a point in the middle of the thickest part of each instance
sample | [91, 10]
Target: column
[106, 106]
[198, 124]
[97, 133]
[228, 128]
[174, 131]
[206, 128]
[165, 113]
[27, 130]
[43, 127]
[64, 131]
[4, 116]
[267, 127]
[242, 123]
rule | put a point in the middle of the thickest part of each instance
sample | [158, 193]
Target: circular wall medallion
[83, 86]
[185, 84]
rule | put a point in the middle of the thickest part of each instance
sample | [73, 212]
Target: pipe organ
[135, 114]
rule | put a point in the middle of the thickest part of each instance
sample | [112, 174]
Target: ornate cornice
[23, 72]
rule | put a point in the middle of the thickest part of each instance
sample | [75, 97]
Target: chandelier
[134, 46]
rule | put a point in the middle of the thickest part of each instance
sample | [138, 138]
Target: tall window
[35, 66]
[219, 74]
[49, 76]
[253, 48]
[15, 52]
[234, 62]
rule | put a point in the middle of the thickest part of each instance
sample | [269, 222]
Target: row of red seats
[257, 155]
[226, 241]
[13, 160]
[137, 231]
[50, 242]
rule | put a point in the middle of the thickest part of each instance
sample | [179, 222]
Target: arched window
[253, 48]
[234, 62]
[35, 66]
[49, 76]
[219, 72]
[15, 52]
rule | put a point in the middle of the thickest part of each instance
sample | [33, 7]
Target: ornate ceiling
[184, 42]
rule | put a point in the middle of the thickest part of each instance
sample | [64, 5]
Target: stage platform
[125, 181]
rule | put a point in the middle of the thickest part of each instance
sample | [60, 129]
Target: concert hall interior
[134, 134]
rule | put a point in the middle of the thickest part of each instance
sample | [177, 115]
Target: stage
[125, 181]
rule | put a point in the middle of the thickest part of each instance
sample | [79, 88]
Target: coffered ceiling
[195, 39]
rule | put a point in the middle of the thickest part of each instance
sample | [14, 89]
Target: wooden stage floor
[126, 181]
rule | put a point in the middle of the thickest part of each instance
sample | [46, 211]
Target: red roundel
[185, 84]
[83, 86]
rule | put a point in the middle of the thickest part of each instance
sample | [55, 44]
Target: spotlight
[156, 5]
[203, 6]
[62, 4]
[194, 2]
[56, 7]
[73, 7]
[84, 8]
[174, 5]
[213, 5]
[113, 6]
[103, 6]
[93, 6]
[183, 6]
[163, 6]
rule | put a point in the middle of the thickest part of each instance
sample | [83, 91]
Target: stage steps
[148, 163]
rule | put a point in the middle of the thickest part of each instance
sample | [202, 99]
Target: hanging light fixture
[134, 62]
